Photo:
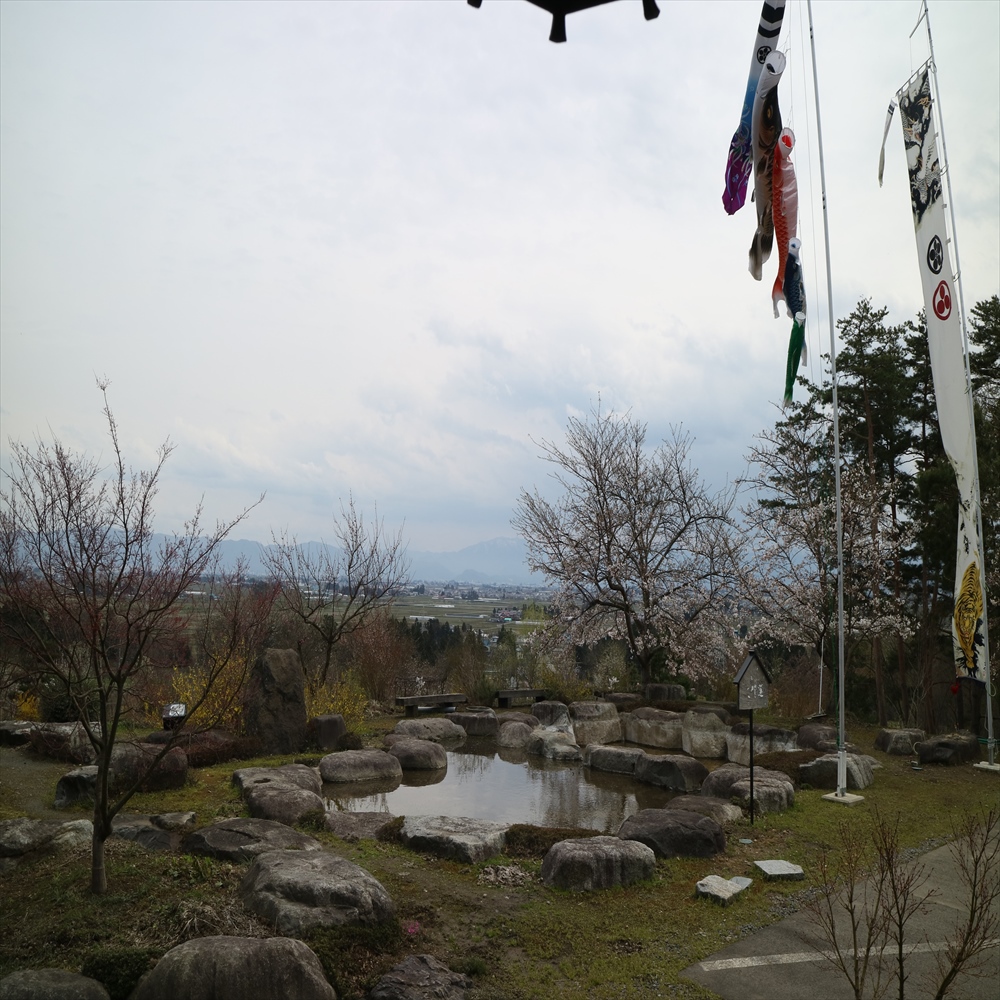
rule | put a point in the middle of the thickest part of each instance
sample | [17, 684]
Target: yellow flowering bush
[223, 704]
[345, 697]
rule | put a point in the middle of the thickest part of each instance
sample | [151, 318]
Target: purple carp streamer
[740, 161]
[764, 137]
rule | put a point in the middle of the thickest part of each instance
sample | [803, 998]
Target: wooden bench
[504, 699]
[413, 702]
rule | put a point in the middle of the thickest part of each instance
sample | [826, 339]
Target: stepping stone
[722, 890]
[780, 870]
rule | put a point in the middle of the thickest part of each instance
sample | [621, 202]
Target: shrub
[119, 969]
[345, 697]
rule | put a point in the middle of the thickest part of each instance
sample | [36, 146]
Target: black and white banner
[944, 338]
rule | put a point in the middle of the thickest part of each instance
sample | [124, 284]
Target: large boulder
[673, 771]
[529, 720]
[514, 734]
[50, 984]
[773, 791]
[294, 891]
[950, 748]
[822, 772]
[654, 727]
[477, 721]
[724, 813]
[297, 775]
[703, 734]
[419, 755]
[213, 746]
[554, 744]
[617, 760]
[665, 692]
[282, 803]
[236, 968]
[76, 787]
[898, 741]
[673, 832]
[134, 762]
[327, 731]
[435, 728]
[551, 713]
[588, 863]
[63, 741]
[15, 732]
[595, 722]
[455, 837]
[766, 739]
[274, 703]
[243, 839]
[24, 837]
[421, 977]
[359, 765]
[811, 734]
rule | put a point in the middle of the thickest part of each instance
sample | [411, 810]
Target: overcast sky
[380, 246]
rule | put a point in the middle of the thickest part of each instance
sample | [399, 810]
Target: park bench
[505, 699]
[412, 702]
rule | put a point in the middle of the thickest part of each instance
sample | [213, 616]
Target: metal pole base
[844, 798]
[984, 766]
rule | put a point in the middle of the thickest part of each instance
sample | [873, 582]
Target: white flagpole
[841, 794]
[990, 740]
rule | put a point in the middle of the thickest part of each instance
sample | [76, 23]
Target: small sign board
[752, 683]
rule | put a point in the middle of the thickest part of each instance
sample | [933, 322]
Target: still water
[506, 786]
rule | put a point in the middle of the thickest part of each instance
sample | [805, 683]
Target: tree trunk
[883, 718]
[98, 874]
[904, 694]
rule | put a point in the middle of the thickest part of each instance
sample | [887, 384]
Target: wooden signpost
[753, 683]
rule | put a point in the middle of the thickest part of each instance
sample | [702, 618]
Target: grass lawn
[518, 942]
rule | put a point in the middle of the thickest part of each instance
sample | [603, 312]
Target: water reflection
[508, 786]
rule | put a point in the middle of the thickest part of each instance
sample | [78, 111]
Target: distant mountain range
[500, 560]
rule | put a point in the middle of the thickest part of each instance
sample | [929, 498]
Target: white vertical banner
[944, 339]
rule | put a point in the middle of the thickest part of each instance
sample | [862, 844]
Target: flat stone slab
[298, 775]
[156, 833]
[243, 839]
[355, 826]
[455, 837]
[722, 890]
[780, 871]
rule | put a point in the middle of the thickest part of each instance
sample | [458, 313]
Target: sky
[384, 249]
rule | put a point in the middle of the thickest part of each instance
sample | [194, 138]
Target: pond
[507, 786]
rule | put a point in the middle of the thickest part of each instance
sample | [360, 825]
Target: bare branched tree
[88, 593]
[331, 591]
[976, 850]
[639, 547]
